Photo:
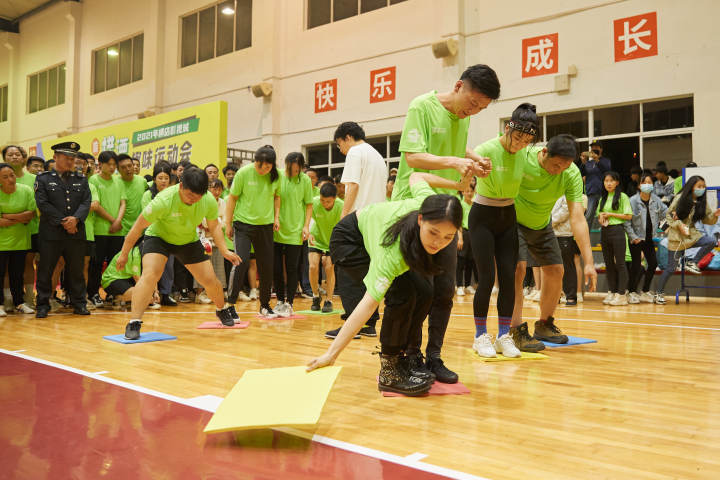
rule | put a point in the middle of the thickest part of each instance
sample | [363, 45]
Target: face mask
[699, 192]
[646, 188]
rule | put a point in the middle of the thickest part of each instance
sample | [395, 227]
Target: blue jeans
[706, 245]
[593, 201]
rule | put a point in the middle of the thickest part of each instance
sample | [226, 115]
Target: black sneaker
[442, 373]
[225, 317]
[167, 301]
[132, 330]
[417, 367]
[231, 309]
[334, 333]
[571, 302]
[327, 307]
[97, 301]
[42, 311]
[368, 331]
[316, 304]
[184, 296]
[81, 310]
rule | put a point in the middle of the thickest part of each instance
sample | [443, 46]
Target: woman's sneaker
[619, 300]
[203, 298]
[24, 308]
[283, 309]
[253, 294]
[483, 345]
[659, 299]
[633, 298]
[268, 312]
[647, 297]
[691, 267]
[505, 346]
[327, 307]
[460, 292]
[315, 307]
[225, 317]
[132, 330]
[580, 297]
[242, 296]
[609, 298]
[470, 290]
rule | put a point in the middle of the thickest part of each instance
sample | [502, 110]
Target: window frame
[306, 16]
[117, 43]
[326, 168]
[4, 99]
[28, 79]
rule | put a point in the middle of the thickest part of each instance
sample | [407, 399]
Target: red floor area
[56, 424]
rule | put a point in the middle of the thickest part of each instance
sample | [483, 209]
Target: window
[574, 123]
[118, 64]
[216, 30]
[327, 159]
[321, 12]
[45, 89]
[617, 120]
[3, 103]
[667, 114]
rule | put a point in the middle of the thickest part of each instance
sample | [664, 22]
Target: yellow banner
[197, 134]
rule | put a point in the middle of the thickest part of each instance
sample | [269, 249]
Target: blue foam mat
[144, 338]
[571, 341]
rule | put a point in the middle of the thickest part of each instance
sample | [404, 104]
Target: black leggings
[407, 303]
[260, 237]
[613, 242]
[106, 247]
[646, 248]
[466, 262]
[494, 238]
[13, 261]
[291, 255]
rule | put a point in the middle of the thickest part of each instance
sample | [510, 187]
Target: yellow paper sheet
[272, 397]
[500, 358]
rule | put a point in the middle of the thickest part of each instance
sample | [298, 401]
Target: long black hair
[266, 154]
[616, 195]
[687, 200]
[435, 208]
[160, 167]
[294, 158]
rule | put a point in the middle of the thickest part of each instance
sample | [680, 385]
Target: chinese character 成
[538, 56]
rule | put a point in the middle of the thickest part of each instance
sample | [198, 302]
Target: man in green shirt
[549, 173]
[326, 213]
[120, 283]
[434, 138]
[134, 186]
[171, 220]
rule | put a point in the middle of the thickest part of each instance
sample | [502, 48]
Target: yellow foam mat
[500, 358]
[273, 397]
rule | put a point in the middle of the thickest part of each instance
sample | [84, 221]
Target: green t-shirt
[386, 263]
[146, 198]
[134, 191]
[132, 268]
[466, 212]
[256, 196]
[539, 191]
[430, 128]
[325, 221]
[225, 193]
[623, 208]
[90, 220]
[295, 194]
[17, 236]
[677, 186]
[111, 193]
[507, 170]
[29, 180]
[173, 220]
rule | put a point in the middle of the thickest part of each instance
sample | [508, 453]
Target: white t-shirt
[366, 167]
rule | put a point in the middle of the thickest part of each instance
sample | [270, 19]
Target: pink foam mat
[438, 388]
[218, 325]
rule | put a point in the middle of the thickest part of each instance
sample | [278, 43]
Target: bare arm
[230, 202]
[217, 235]
[351, 191]
[306, 226]
[104, 213]
[131, 239]
[276, 223]
[439, 182]
[582, 237]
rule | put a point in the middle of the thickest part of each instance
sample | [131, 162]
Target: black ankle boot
[416, 366]
[395, 377]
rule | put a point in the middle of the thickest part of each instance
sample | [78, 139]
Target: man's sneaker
[633, 298]
[184, 296]
[254, 294]
[55, 305]
[580, 297]
[505, 346]
[523, 341]
[660, 299]
[42, 311]
[316, 304]
[460, 292]
[535, 297]
[203, 298]
[327, 307]
[609, 298]
[97, 300]
[620, 299]
[546, 330]
[571, 302]
[334, 333]
[442, 373]
[225, 317]
[691, 267]
[132, 330]
[368, 331]
[470, 290]
[267, 312]
[167, 301]
[483, 345]
[242, 296]
[24, 308]
[647, 297]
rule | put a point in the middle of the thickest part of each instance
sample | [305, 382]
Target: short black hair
[328, 190]
[47, 164]
[121, 157]
[106, 156]
[635, 169]
[34, 158]
[326, 178]
[186, 164]
[563, 145]
[217, 183]
[596, 143]
[483, 79]
[349, 128]
[230, 166]
[661, 168]
[135, 160]
[210, 165]
[195, 180]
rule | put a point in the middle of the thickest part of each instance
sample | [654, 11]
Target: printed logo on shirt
[438, 130]
[252, 183]
[500, 168]
[176, 214]
[382, 284]
[148, 210]
[413, 135]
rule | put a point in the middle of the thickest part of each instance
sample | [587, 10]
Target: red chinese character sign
[326, 96]
[540, 55]
[636, 37]
[382, 85]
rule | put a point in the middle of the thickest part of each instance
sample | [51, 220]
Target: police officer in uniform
[63, 198]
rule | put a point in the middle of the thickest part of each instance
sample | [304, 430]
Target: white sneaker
[608, 298]
[268, 313]
[579, 297]
[633, 298]
[243, 297]
[647, 297]
[202, 298]
[2, 311]
[526, 292]
[24, 308]
[505, 346]
[483, 345]
[282, 309]
[460, 292]
[535, 297]
[691, 267]
[659, 299]
[154, 306]
[254, 294]
[563, 298]
[470, 289]
[90, 305]
[619, 300]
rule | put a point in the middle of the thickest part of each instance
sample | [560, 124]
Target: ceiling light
[112, 52]
[228, 10]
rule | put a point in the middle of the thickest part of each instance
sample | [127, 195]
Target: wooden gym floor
[643, 402]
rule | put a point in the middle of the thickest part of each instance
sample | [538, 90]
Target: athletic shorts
[187, 254]
[118, 287]
[538, 247]
[318, 251]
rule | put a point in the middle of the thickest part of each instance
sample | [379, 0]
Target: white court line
[416, 457]
[203, 405]
[101, 372]
[18, 351]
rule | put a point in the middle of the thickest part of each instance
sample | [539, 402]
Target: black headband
[523, 127]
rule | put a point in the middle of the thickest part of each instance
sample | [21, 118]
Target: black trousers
[182, 278]
[613, 242]
[106, 247]
[647, 248]
[50, 252]
[568, 249]
[13, 261]
[289, 257]
[261, 239]
[465, 262]
[407, 303]
[352, 262]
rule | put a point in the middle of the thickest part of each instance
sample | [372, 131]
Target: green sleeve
[31, 201]
[574, 185]
[421, 190]
[414, 138]
[156, 209]
[211, 212]
[308, 194]
[625, 207]
[237, 186]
